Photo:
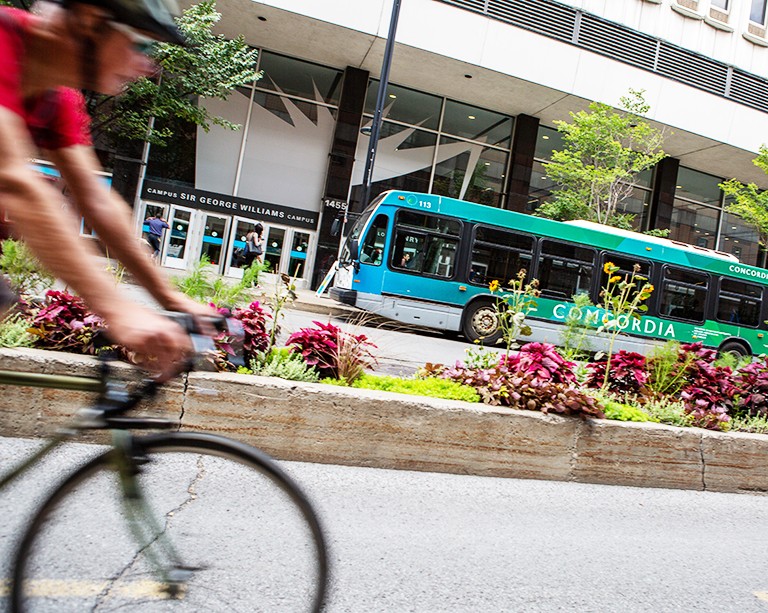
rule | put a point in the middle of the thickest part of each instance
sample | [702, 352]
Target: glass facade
[435, 145]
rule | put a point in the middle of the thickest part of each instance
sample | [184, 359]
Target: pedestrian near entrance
[254, 245]
[156, 225]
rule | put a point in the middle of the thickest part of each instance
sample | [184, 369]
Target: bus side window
[565, 269]
[626, 268]
[739, 303]
[683, 294]
[372, 249]
[499, 255]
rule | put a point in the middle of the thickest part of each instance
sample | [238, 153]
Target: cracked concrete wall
[320, 423]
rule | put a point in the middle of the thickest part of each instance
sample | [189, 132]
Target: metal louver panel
[592, 33]
[616, 42]
[749, 89]
[692, 69]
[477, 5]
[548, 18]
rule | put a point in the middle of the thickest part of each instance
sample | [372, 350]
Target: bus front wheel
[481, 323]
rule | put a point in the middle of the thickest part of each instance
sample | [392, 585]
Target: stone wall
[328, 424]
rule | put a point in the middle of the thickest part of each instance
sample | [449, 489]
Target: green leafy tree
[748, 201]
[211, 67]
[604, 150]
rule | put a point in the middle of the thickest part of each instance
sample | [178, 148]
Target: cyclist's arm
[50, 232]
[110, 216]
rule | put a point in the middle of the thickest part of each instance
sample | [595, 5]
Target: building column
[518, 183]
[663, 197]
[339, 175]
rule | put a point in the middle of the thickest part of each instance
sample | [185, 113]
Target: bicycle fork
[148, 530]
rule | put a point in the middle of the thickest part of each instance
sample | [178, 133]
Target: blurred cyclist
[45, 58]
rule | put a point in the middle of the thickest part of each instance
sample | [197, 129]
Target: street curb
[327, 424]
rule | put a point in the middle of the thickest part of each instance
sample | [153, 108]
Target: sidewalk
[306, 299]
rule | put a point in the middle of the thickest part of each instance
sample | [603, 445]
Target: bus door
[372, 253]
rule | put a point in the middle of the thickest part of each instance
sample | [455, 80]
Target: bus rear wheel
[481, 323]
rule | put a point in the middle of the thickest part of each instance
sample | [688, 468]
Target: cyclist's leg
[231, 516]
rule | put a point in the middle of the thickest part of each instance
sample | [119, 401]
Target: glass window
[757, 11]
[213, 237]
[541, 187]
[740, 239]
[694, 224]
[373, 246]
[565, 269]
[298, 262]
[274, 251]
[698, 186]
[406, 105]
[469, 172]
[299, 78]
[403, 161]
[425, 244]
[277, 106]
[683, 294]
[499, 255]
[720, 4]
[547, 141]
[637, 204]
[739, 302]
[478, 124]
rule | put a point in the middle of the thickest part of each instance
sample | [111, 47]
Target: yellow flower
[609, 267]
[615, 279]
[493, 285]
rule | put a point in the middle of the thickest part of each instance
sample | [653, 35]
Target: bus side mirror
[354, 253]
[336, 227]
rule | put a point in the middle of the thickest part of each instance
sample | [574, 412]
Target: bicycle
[167, 533]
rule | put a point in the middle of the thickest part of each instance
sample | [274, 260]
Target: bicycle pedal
[177, 582]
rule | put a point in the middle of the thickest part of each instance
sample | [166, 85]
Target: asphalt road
[422, 542]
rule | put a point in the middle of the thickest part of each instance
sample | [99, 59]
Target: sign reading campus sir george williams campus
[228, 205]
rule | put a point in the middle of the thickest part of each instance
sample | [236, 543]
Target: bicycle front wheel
[223, 529]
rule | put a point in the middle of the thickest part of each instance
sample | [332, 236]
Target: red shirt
[56, 118]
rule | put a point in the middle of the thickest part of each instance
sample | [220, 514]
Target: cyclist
[45, 59]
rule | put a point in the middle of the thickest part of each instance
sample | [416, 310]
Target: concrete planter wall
[320, 423]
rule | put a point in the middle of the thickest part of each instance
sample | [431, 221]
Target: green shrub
[199, 284]
[25, 274]
[625, 412]
[434, 388]
[667, 366]
[668, 411]
[757, 424]
[283, 363]
[14, 332]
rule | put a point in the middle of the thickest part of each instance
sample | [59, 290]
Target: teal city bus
[428, 260]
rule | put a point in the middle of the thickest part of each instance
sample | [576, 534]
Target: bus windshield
[357, 230]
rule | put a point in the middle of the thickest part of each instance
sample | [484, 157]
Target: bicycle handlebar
[115, 398]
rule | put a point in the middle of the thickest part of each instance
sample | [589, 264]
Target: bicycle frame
[114, 400]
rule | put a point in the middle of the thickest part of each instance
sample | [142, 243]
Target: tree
[749, 202]
[603, 152]
[211, 67]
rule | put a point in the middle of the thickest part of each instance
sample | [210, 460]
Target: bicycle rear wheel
[242, 534]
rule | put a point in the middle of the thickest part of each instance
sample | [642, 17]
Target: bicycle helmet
[154, 16]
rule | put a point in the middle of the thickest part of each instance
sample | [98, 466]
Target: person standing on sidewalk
[156, 225]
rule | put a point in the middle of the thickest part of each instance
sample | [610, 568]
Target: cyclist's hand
[161, 345]
[181, 303]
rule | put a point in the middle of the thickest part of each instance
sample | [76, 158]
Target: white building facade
[475, 86]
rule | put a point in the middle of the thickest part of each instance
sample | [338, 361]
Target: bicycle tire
[209, 452]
